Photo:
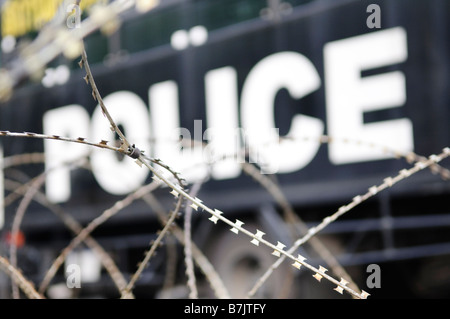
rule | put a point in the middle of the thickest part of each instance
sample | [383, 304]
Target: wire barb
[299, 261]
[319, 276]
[364, 294]
[340, 288]
[237, 225]
[215, 217]
[195, 203]
[258, 235]
[133, 151]
[276, 252]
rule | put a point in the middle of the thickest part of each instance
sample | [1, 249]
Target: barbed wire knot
[134, 152]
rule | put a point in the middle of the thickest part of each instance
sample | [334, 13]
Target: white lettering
[348, 95]
[120, 176]
[295, 73]
[167, 132]
[222, 118]
[69, 121]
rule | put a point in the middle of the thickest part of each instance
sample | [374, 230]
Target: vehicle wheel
[240, 264]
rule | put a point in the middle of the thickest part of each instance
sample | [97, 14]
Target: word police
[234, 123]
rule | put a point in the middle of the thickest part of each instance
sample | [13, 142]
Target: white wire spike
[297, 264]
[420, 165]
[174, 193]
[339, 289]
[373, 190]
[404, 173]
[388, 181]
[176, 188]
[138, 162]
[280, 246]
[318, 276]
[258, 235]
[364, 294]
[157, 179]
[357, 199]
[195, 203]
[215, 217]
[237, 225]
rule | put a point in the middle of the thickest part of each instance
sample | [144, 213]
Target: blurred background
[352, 87]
